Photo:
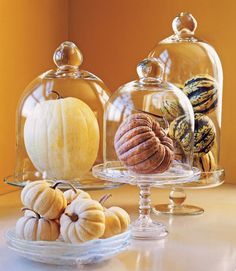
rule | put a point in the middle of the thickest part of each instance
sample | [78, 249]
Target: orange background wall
[113, 36]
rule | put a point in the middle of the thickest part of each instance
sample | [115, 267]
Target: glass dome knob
[184, 23]
[68, 56]
[150, 68]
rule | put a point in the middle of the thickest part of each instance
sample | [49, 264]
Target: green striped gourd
[202, 93]
[205, 163]
[171, 109]
[204, 133]
[180, 131]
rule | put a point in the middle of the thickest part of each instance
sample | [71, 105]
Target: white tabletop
[204, 242]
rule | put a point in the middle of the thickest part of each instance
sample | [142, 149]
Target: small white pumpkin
[72, 194]
[62, 137]
[83, 220]
[45, 199]
[35, 228]
[117, 220]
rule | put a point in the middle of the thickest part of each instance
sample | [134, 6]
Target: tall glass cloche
[138, 145]
[194, 66]
[59, 123]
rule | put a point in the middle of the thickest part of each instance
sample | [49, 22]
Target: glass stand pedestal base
[147, 229]
[177, 210]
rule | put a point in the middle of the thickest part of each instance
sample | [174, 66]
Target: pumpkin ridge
[25, 191]
[90, 232]
[131, 133]
[65, 150]
[38, 192]
[38, 202]
[51, 202]
[85, 230]
[76, 230]
[140, 138]
[91, 220]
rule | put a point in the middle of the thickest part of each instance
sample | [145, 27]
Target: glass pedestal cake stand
[177, 194]
[144, 227]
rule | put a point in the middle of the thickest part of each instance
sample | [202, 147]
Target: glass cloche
[138, 145]
[194, 66]
[60, 122]
[149, 97]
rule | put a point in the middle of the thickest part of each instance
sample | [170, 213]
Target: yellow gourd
[45, 199]
[74, 193]
[117, 220]
[35, 228]
[62, 137]
[83, 220]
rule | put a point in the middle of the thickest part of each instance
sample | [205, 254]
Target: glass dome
[60, 121]
[194, 66]
[143, 109]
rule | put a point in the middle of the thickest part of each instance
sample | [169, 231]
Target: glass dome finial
[68, 56]
[184, 23]
[150, 68]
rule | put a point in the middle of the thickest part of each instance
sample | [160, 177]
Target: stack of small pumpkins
[49, 212]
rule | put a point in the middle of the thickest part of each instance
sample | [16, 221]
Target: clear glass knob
[184, 23]
[68, 56]
[150, 68]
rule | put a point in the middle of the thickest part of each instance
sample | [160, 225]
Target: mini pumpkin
[117, 220]
[83, 220]
[33, 227]
[62, 137]
[73, 193]
[45, 199]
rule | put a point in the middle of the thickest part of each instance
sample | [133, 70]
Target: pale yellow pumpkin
[62, 138]
[35, 228]
[117, 220]
[45, 199]
[83, 220]
[72, 194]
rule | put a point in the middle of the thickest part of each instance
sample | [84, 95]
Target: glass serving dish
[61, 253]
[59, 124]
[194, 66]
[137, 149]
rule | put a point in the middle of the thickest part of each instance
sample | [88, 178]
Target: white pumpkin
[35, 228]
[44, 198]
[62, 138]
[83, 220]
[72, 194]
[117, 220]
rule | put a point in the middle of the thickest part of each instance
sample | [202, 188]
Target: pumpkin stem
[57, 93]
[104, 198]
[54, 186]
[74, 217]
[28, 209]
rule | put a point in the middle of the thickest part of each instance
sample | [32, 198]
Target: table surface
[203, 242]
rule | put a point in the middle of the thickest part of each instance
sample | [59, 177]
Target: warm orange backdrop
[113, 36]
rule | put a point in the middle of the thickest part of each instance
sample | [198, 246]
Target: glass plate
[61, 253]
[87, 184]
